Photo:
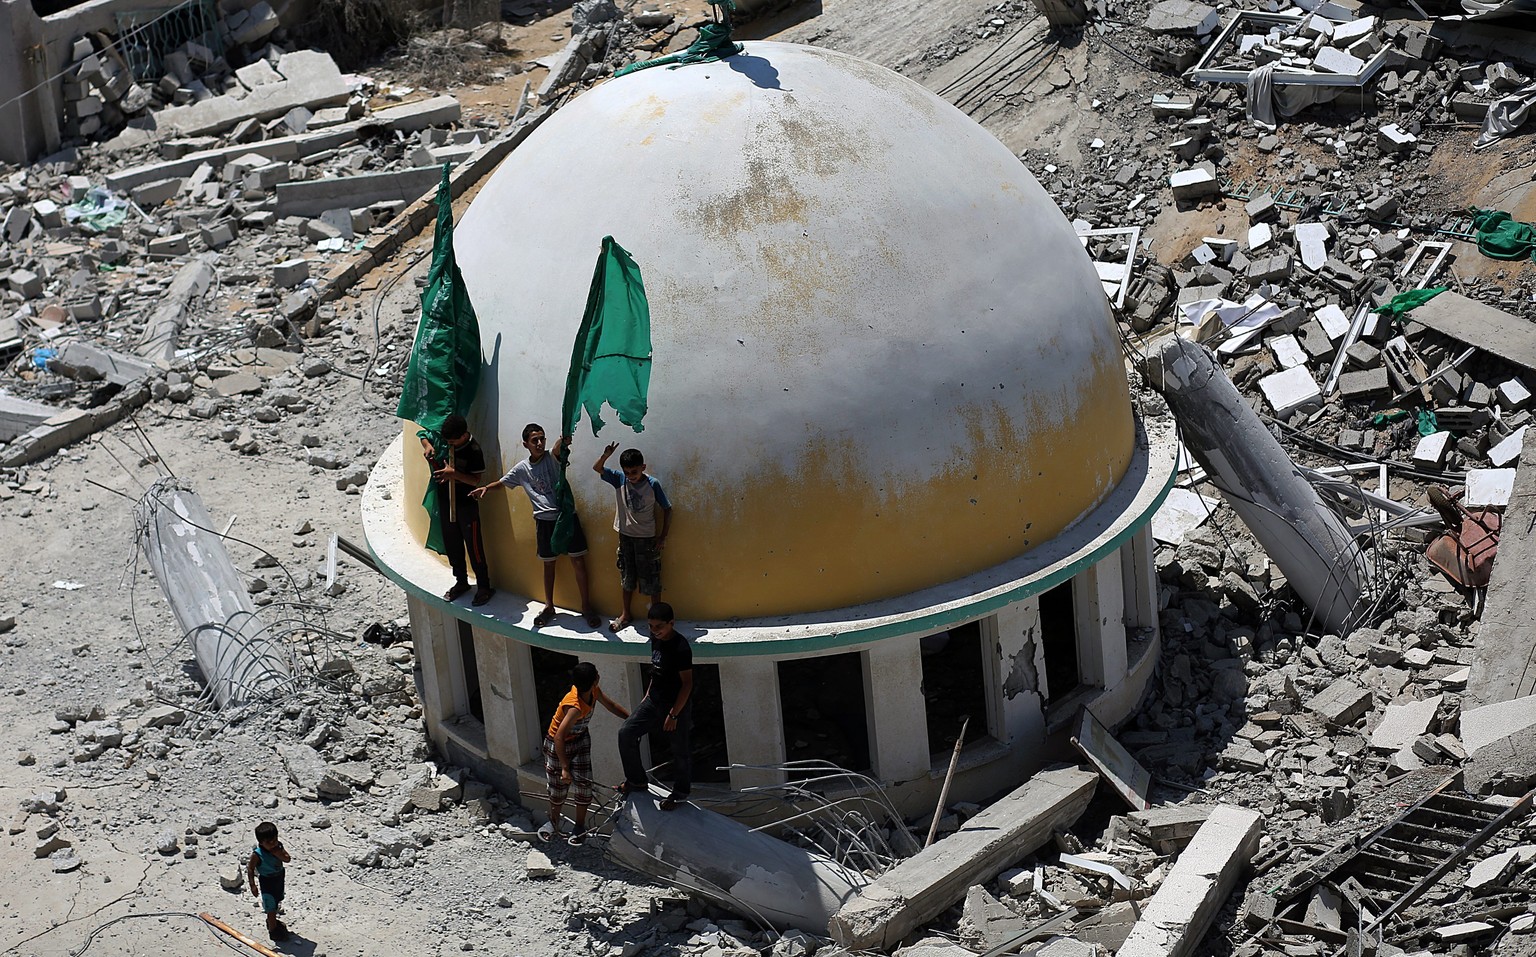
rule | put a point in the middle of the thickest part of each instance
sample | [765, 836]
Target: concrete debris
[922, 886]
[1176, 918]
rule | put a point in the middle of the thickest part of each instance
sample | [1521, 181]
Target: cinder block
[174, 245]
[1290, 390]
[286, 275]
[153, 194]
[27, 284]
[1365, 384]
[1192, 184]
[1334, 60]
[1341, 703]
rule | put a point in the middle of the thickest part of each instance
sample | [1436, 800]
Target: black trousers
[464, 535]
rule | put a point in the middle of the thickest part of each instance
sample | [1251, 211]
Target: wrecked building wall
[32, 63]
[25, 116]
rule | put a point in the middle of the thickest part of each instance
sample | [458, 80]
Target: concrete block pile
[101, 92]
[93, 244]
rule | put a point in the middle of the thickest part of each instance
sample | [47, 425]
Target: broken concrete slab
[922, 886]
[313, 197]
[1403, 722]
[785, 885]
[163, 328]
[88, 362]
[1478, 324]
[1502, 638]
[19, 416]
[1205, 874]
[414, 117]
[1341, 703]
[1484, 725]
[310, 79]
[1507, 452]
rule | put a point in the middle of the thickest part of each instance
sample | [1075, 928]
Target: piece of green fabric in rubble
[1501, 236]
[1403, 302]
[1428, 425]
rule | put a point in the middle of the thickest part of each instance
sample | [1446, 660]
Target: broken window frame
[1133, 240]
[986, 726]
[1204, 72]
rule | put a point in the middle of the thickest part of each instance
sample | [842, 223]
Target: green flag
[610, 363]
[444, 369]
[1404, 302]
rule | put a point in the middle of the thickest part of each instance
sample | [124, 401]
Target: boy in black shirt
[458, 477]
[666, 707]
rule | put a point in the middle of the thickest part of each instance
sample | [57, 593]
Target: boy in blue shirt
[267, 876]
[637, 499]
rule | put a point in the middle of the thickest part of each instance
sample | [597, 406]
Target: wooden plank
[1129, 779]
[1478, 324]
[924, 885]
[20, 416]
[250, 942]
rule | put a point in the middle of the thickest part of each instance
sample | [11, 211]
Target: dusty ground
[113, 641]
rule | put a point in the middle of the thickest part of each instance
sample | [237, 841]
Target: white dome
[882, 359]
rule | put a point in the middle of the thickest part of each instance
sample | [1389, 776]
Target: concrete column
[1020, 669]
[1138, 573]
[898, 718]
[491, 651]
[754, 718]
[527, 724]
[1099, 598]
[30, 119]
[615, 676]
[432, 656]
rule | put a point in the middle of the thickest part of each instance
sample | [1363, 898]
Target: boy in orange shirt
[568, 749]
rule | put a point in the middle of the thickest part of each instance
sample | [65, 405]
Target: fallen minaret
[235, 650]
[747, 871]
[1320, 558]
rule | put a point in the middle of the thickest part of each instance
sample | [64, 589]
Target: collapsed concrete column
[1309, 543]
[239, 657]
[163, 328]
[746, 871]
[1176, 918]
[922, 886]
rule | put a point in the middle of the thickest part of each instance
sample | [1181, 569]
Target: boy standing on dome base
[667, 706]
[460, 516]
[537, 475]
[642, 536]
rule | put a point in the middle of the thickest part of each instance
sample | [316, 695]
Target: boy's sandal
[482, 596]
[674, 801]
[620, 623]
[544, 617]
[577, 838]
[458, 589]
[625, 789]
[593, 621]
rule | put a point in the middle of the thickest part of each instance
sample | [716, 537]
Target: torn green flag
[610, 363]
[443, 373]
[1404, 302]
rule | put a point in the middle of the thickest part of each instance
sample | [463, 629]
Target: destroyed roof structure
[926, 483]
